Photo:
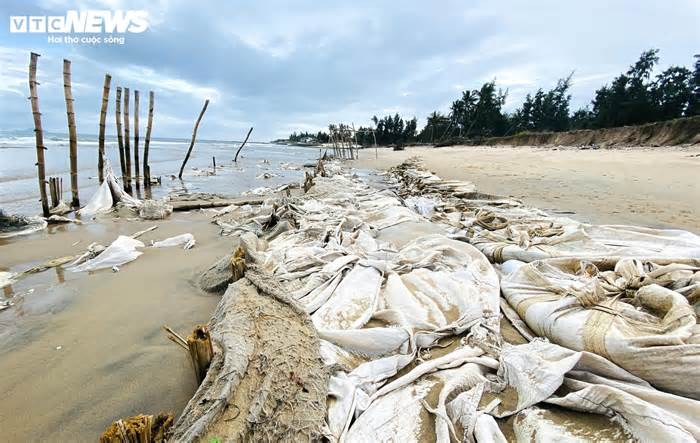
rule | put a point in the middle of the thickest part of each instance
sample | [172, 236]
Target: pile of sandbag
[400, 288]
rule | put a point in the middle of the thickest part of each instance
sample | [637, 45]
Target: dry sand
[114, 360]
[655, 187]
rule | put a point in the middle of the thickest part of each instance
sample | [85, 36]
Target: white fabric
[121, 251]
[187, 241]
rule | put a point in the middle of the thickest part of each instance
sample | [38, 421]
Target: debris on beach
[185, 240]
[155, 210]
[120, 251]
[15, 225]
[404, 308]
[108, 195]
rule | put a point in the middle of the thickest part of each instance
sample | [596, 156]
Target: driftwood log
[194, 137]
[101, 137]
[266, 381]
[72, 134]
[189, 205]
[235, 159]
[38, 133]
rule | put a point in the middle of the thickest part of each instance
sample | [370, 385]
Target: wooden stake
[201, 351]
[101, 139]
[38, 133]
[72, 134]
[146, 168]
[194, 137]
[235, 159]
[136, 138]
[53, 191]
[127, 141]
[120, 137]
[139, 429]
[213, 161]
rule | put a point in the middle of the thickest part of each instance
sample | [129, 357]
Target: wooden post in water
[53, 191]
[120, 137]
[194, 137]
[72, 134]
[101, 137]
[213, 162]
[38, 133]
[127, 141]
[146, 168]
[235, 159]
[137, 168]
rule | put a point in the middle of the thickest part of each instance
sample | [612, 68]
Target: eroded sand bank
[655, 187]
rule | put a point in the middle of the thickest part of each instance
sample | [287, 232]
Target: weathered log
[189, 205]
[101, 137]
[235, 159]
[38, 133]
[194, 137]
[266, 381]
[127, 142]
[120, 136]
[137, 167]
[72, 134]
[146, 167]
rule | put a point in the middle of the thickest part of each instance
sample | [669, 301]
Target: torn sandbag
[16, 225]
[629, 319]
[185, 240]
[7, 278]
[108, 195]
[121, 251]
[155, 210]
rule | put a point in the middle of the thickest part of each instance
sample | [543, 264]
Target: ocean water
[19, 189]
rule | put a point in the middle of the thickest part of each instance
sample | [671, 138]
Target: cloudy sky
[282, 66]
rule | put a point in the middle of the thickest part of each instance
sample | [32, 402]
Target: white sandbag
[121, 251]
[185, 240]
[108, 194]
[573, 304]
[7, 278]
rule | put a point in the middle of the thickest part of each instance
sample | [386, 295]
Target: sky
[283, 66]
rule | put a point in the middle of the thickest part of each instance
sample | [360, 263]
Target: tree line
[633, 97]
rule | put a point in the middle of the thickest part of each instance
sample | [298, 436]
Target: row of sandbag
[409, 325]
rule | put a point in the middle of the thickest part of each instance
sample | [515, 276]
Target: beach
[647, 186]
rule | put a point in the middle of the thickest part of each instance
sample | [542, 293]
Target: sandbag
[121, 251]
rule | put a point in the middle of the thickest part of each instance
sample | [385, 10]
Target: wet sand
[655, 187]
[114, 360]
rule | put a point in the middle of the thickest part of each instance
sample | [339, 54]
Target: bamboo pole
[38, 133]
[120, 136]
[146, 168]
[194, 137]
[101, 139]
[136, 137]
[235, 159]
[72, 134]
[127, 141]
[53, 191]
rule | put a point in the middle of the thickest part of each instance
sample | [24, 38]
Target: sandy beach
[654, 187]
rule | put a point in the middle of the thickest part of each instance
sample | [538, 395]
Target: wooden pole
[213, 162]
[201, 351]
[194, 137]
[146, 168]
[38, 133]
[101, 139]
[53, 191]
[376, 153]
[120, 136]
[136, 137]
[235, 159]
[127, 141]
[72, 134]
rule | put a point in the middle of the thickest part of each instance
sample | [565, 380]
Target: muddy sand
[72, 365]
[655, 187]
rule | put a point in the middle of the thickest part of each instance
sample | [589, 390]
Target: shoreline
[651, 186]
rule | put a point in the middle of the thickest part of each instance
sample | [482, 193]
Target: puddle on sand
[82, 350]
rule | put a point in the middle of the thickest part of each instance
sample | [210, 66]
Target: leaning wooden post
[127, 141]
[146, 168]
[120, 137]
[38, 133]
[72, 134]
[235, 159]
[136, 138]
[101, 138]
[194, 137]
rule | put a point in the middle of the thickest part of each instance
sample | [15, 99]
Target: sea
[259, 165]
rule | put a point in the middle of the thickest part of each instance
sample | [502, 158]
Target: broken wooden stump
[138, 429]
[201, 351]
